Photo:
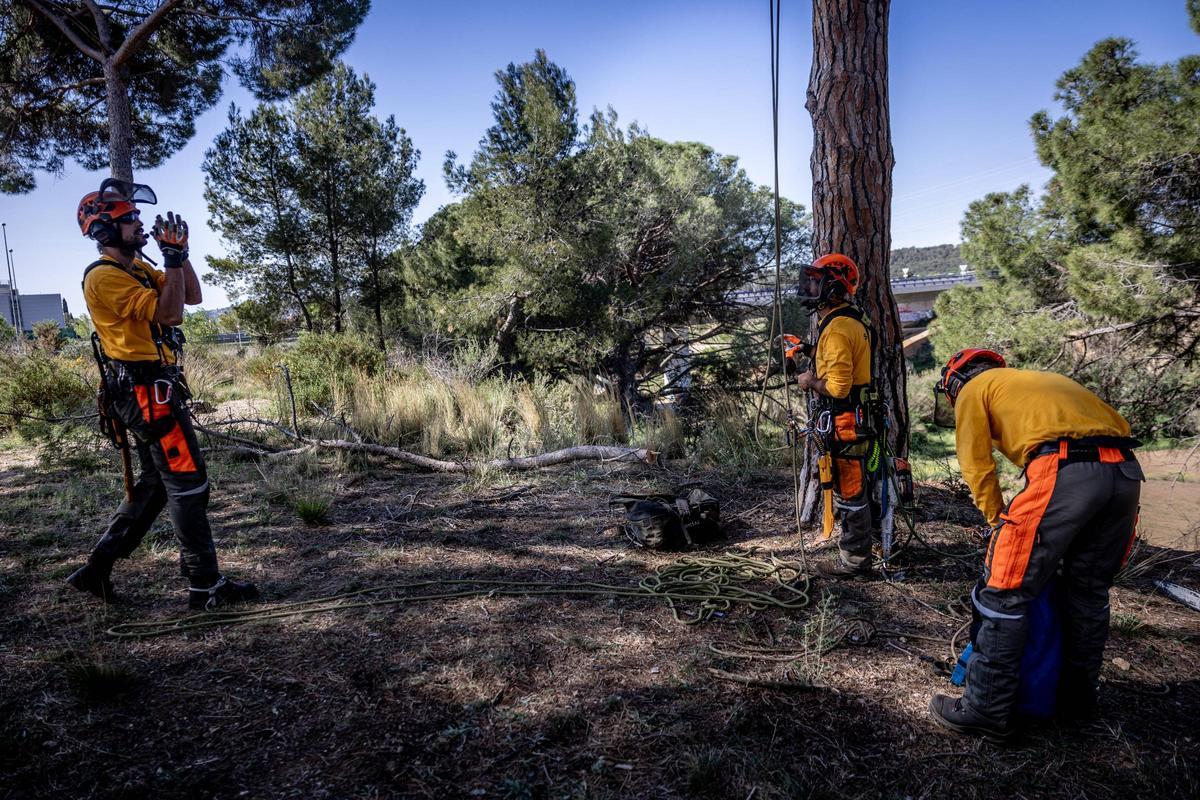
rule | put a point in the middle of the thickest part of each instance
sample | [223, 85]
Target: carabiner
[159, 399]
[824, 423]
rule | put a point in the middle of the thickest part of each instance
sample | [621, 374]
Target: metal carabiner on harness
[159, 399]
[824, 423]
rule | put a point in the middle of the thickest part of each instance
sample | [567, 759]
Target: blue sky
[965, 78]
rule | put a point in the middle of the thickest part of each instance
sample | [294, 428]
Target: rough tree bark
[851, 165]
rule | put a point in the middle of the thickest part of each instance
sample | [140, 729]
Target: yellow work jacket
[1015, 410]
[122, 309]
[843, 357]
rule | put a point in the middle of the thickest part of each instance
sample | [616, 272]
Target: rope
[716, 584]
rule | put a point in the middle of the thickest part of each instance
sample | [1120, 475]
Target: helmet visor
[943, 409]
[811, 289]
[116, 189]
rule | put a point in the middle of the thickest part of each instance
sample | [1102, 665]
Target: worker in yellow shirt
[134, 308]
[1078, 509]
[841, 384]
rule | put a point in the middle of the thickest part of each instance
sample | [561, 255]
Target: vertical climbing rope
[774, 10]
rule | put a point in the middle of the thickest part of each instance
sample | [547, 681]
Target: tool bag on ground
[689, 518]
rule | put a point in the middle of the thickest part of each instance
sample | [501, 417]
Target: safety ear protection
[951, 383]
[104, 233]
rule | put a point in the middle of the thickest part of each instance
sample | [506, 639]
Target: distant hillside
[940, 259]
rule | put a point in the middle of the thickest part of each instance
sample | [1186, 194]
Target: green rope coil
[715, 584]
[873, 459]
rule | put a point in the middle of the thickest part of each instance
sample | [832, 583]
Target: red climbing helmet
[962, 366]
[835, 274]
[99, 211]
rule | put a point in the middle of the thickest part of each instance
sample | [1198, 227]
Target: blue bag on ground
[1041, 662]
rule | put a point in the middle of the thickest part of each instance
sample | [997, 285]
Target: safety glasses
[116, 189]
[943, 408]
[130, 218]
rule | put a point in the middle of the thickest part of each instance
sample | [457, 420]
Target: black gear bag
[689, 518]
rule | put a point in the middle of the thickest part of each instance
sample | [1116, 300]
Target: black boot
[955, 714]
[1076, 701]
[221, 593]
[94, 580]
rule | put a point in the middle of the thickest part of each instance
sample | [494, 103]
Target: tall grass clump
[664, 433]
[599, 418]
[725, 437]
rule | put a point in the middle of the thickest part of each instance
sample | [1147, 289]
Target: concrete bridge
[914, 296]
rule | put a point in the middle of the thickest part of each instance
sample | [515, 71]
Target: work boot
[955, 714]
[836, 568]
[221, 593]
[93, 580]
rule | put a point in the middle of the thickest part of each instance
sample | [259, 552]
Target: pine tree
[122, 85]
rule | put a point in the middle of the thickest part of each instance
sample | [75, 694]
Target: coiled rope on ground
[715, 584]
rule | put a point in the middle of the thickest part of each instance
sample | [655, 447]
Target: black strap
[144, 279]
[858, 393]
[1087, 448]
[853, 313]
[158, 334]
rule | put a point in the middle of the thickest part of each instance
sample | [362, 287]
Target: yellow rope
[714, 583]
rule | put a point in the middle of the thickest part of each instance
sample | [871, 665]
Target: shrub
[47, 336]
[41, 387]
[322, 363]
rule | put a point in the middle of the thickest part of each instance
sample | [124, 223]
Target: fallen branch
[589, 452]
[247, 444]
[791, 686]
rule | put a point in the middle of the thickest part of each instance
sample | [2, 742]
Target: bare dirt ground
[1171, 498]
[528, 697]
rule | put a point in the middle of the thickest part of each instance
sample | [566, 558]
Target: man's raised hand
[172, 237]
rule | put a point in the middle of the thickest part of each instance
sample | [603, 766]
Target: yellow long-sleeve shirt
[843, 357]
[1015, 410]
[122, 309]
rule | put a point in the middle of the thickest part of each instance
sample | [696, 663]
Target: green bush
[322, 363]
[41, 387]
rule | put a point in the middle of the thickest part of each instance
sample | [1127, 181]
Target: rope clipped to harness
[716, 584]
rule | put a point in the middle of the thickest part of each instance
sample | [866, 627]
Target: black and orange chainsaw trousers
[1078, 509]
[172, 476]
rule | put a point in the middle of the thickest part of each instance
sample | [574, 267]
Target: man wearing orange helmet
[1078, 509]
[134, 308]
[841, 382]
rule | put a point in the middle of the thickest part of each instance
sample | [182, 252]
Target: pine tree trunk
[378, 297]
[852, 164]
[120, 122]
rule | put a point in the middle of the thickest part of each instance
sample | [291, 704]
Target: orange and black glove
[172, 237]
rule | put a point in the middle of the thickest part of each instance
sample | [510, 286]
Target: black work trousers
[1081, 515]
[854, 489]
[172, 475]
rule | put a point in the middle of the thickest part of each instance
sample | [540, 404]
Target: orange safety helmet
[99, 211]
[962, 366]
[833, 270]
